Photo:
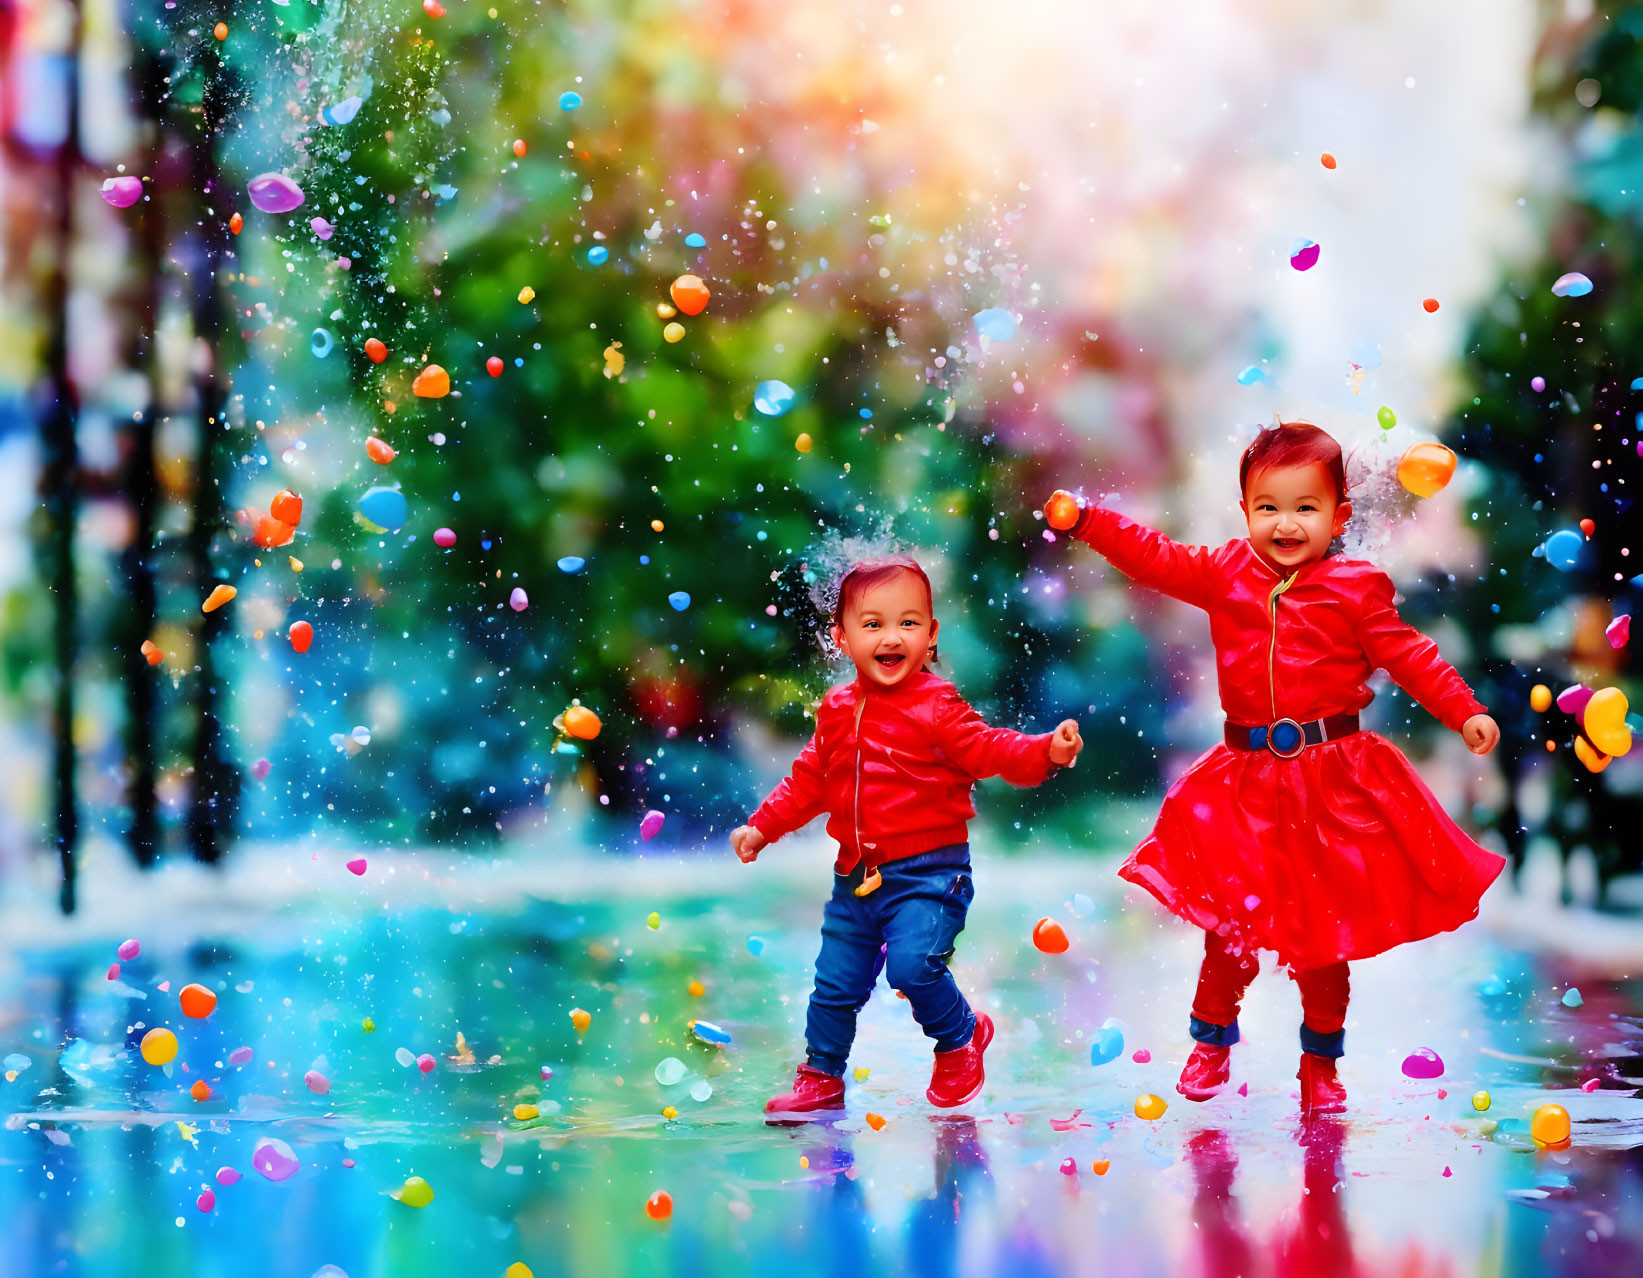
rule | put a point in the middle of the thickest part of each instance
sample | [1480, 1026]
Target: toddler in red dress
[1302, 833]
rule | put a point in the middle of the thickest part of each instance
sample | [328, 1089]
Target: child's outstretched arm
[795, 802]
[1021, 758]
[1415, 664]
[1142, 554]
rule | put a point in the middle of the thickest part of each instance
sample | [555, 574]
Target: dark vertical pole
[142, 491]
[216, 783]
[60, 478]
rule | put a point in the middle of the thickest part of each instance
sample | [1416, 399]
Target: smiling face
[1293, 514]
[887, 630]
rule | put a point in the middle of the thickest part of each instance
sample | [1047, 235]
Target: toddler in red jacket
[894, 756]
[1302, 833]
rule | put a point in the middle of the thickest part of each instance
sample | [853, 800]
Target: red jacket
[1302, 652]
[893, 769]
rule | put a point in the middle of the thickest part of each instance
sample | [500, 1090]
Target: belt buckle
[1300, 738]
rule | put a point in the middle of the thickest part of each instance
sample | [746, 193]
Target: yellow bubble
[524, 1113]
[1550, 1125]
[804, 1160]
[697, 989]
[519, 1269]
[665, 311]
[1605, 722]
[674, 332]
[1481, 1101]
[615, 361]
[861, 1073]
[159, 1046]
[368, 1025]
[580, 1019]
[1149, 1107]
[523, 1272]
[527, 295]
[415, 1192]
[653, 920]
[656, 525]
[670, 1113]
[296, 564]
[1540, 697]
[804, 443]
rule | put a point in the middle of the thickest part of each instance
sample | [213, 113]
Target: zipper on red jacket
[861, 707]
[1272, 644]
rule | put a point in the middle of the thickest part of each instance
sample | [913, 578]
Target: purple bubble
[320, 227]
[317, 1082]
[1423, 1062]
[122, 192]
[519, 600]
[227, 1176]
[240, 1056]
[129, 949]
[260, 769]
[1538, 383]
[651, 824]
[206, 1201]
[275, 193]
[275, 1159]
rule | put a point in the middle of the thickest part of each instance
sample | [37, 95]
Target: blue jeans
[906, 927]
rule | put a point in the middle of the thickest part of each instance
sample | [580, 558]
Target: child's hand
[1481, 734]
[746, 842]
[1065, 744]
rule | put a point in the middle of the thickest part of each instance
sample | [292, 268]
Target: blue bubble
[708, 1032]
[1571, 998]
[680, 600]
[569, 100]
[1564, 549]
[1491, 987]
[344, 111]
[598, 255]
[1252, 374]
[867, 414]
[385, 507]
[755, 945]
[1574, 284]
[995, 323]
[694, 240]
[773, 398]
[321, 343]
[571, 564]
[1107, 1045]
[518, 361]
[1637, 383]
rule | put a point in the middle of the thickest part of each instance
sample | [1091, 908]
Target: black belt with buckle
[1287, 738]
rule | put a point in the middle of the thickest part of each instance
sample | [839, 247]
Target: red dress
[1341, 852]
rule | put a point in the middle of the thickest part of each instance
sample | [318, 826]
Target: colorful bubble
[689, 294]
[129, 949]
[1540, 698]
[1108, 1044]
[773, 398]
[274, 1159]
[1619, 631]
[197, 1002]
[1386, 417]
[1426, 468]
[582, 723]
[650, 825]
[598, 255]
[385, 507]
[519, 600]
[1303, 254]
[995, 324]
[1481, 1101]
[708, 1032]
[159, 1046]
[1574, 284]
[344, 111]
[433, 382]
[1572, 998]
[1564, 549]
[1049, 936]
[122, 192]
[415, 1192]
[316, 1082]
[444, 537]
[569, 100]
[1150, 1107]
[1423, 1062]
[659, 1206]
[679, 600]
[1550, 1125]
[274, 193]
[1250, 374]
[1537, 384]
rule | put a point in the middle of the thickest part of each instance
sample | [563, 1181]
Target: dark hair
[869, 573]
[1296, 443]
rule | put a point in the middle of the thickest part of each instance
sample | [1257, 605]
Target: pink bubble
[651, 824]
[1447, 1172]
[113, 971]
[1423, 1062]
[357, 865]
[275, 1159]
[122, 192]
[519, 600]
[316, 1082]
[1141, 1056]
[1572, 700]
[444, 537]
[1069, 1167]
[1619, 631]
[206, 1201]
[274, 193]
[1303, 255]
[320, 227]
[260, 769]
[425, 1063]
[1538, 383]
[227, 1176]
[129, 949]
[1591, 1084]
[240, 1056]
[348, 1162]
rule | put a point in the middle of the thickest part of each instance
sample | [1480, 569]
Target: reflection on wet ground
[105, 1159]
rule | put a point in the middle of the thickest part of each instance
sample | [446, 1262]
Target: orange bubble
[1594, 759]
[1550, 1125]
[656, 525]
[1588, 526]
[217, 598]
[1327, 160]
[379, 450]
[804, 443]
[1100, 1166]
[1150, 1107]
[151, 651]
[659, 1206]
[689, 294]
[1061, 511]
[200, 1091]
[220, 31]
[236, 224]
[197, 1001]
[582, 723]
[697, 989]
[376, 350]
[1425, 469]
[301, 635]
[1540, 698]
[1049, 936]
[519, 147]
[580, 1019]
[1431, 304]
[433, 8]
[268, 532]
[433, 382]
[876, 1122]
[286, 507]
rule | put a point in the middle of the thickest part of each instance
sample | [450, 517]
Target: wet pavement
[104, 1158]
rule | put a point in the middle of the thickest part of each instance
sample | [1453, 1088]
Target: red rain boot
[813, 1093]
[1321, 1091]
[958, 1076]
[1206, 1072]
